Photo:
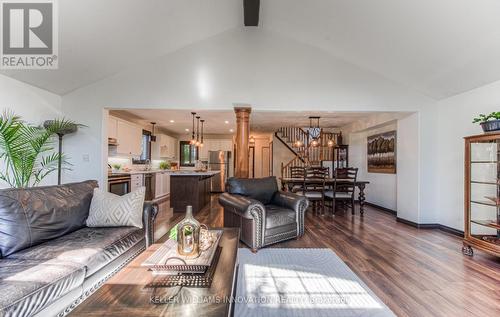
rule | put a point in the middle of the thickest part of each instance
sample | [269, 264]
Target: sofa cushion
[29, 285]
[277, 216]
[110, 210]
[32, 216]
[90, 247]
[261, 189]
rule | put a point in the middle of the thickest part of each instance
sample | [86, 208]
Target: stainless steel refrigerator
[220, 161]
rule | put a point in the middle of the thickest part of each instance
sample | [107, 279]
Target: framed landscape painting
[382, 153]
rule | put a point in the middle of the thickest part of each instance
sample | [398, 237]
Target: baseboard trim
[418, 225]
[390, 211]
[431, 226]
[444, 228]
[450, 230]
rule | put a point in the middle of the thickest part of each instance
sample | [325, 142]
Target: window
[146, 149]
[189, 153]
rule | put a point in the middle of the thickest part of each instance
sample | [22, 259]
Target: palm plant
[28, 151]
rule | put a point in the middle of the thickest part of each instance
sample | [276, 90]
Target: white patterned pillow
[110, 210]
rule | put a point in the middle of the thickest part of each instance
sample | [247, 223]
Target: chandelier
[315, 135]
[314, 131]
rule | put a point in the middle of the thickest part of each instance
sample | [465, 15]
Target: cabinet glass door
[484, 185]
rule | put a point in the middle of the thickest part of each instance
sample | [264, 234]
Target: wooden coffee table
[125, 295]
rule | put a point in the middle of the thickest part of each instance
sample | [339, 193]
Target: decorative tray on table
[172, 269]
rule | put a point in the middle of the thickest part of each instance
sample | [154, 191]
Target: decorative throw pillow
[110, 210]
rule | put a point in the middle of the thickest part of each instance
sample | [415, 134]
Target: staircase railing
[288, 136]
[297, 141]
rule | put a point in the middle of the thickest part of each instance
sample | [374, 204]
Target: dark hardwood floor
[416, 272]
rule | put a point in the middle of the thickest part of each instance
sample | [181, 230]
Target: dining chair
[314, 187]
[297, 172]
[344, 187]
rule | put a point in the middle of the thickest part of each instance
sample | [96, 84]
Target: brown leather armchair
[264, 214]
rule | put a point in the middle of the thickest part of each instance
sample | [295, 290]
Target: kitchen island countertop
[194, 173]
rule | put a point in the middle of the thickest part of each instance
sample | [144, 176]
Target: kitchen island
[190, 188]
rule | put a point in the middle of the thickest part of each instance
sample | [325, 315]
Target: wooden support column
[242, 134]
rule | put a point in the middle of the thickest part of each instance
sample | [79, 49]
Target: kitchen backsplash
[126, 162]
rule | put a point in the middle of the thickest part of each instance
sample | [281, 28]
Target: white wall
[34, 105]
[408, 149]
[382, 190]
[455, 122]
[281, 154]
[255, 67]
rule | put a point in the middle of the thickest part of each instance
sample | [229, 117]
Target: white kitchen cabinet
[164, 147]
[166, 183]
[112, 127]
[167, 146]
[215, 145]
[171, 147]
[136, 182]
[155, 148]
[129, 138]
[162, 184]
[158, 186]
[136, 141]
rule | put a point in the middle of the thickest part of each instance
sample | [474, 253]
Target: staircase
[305, 154]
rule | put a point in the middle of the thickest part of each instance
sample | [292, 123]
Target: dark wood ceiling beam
[251, 12]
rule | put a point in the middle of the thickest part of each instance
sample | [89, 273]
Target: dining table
[287, 183]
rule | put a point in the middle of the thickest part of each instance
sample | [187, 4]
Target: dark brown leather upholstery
[32, 216]
[262, 192]
[264, 214]
[52, 259]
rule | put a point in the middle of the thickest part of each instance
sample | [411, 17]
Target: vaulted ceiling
[436, 47]
[100, 38]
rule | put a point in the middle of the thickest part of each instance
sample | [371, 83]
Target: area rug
[301, 282]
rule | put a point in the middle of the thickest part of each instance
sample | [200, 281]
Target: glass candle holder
[188, 235]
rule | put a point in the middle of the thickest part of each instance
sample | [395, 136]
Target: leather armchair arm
[241, 205]
[287, 200]
[250, 209]
[148, 218]
[295, 202]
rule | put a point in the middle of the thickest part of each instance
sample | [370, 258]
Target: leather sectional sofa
[50, 261]
[264, 214]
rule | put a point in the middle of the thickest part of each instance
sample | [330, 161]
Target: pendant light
[201, 143]
[153, 136]
[193, 140]
[197, 143]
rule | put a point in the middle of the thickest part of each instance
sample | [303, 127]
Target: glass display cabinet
[482, 194]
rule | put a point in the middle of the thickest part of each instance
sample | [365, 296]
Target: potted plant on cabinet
[489, 122]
